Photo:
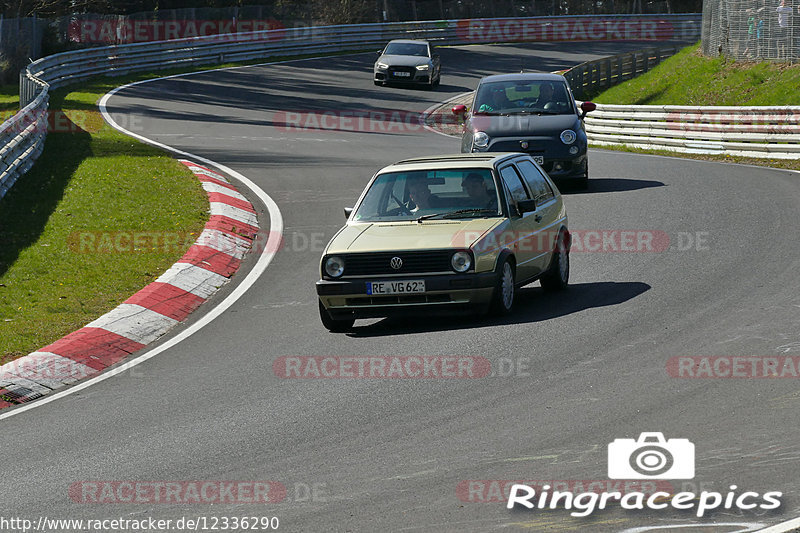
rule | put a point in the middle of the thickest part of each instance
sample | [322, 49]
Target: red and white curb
[150, 313]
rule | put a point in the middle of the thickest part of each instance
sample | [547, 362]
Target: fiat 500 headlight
[461, 261]
[334, 266]
[480, 139]
[568, 136]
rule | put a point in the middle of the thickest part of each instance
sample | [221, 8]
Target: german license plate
[539, 159]
[395, 287]
[403, 74]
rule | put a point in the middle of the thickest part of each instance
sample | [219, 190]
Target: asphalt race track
[589, 365]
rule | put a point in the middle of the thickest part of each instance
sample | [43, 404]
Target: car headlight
[423, 67]
[568, 136]
[480, 139]
[461, 261]
[382, 66]
[334, 266]
[573, 150]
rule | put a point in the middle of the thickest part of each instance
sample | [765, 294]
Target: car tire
[504, 290]
[557, 276]
[334, 325]
[378, 83]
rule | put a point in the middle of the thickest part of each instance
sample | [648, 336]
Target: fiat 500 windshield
[523, 97]
[425, 195]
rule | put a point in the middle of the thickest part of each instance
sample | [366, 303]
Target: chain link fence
[752, 29]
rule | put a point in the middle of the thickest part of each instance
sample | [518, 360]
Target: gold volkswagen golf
[451, 233]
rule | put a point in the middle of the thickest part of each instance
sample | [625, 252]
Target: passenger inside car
[479, 196]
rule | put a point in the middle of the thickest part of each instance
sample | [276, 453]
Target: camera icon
[651, 457]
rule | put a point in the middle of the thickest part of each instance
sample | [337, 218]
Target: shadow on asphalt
[610, 185]
[532, 305]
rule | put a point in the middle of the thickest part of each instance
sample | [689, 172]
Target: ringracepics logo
[650, 457]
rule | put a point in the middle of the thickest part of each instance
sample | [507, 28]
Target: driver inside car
[421, 195]
[546, 91]
[475, 187]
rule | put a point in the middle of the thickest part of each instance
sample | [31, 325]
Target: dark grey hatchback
[534, 113]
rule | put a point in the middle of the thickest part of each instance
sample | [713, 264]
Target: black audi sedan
[534, 113]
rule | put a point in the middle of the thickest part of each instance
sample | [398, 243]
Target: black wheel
[333, 325]
[504, 290]
[557, 276]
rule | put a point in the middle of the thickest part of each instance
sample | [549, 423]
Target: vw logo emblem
[396, 263]
[524, 144]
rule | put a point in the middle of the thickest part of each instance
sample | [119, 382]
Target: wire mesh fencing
[752, 29]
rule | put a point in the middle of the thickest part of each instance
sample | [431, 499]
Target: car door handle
[537, 218]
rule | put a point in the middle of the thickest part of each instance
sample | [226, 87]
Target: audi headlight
[480, 139]
[568, 136]
[461, 261]
[382, 66]
[423, 67]
[334, 266]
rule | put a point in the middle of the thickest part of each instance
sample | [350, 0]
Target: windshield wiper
[469, 211]
[426, 217]
[531, 112]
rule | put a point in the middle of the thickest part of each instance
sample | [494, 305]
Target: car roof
[408, 41]
[446, 161]
[524, 76]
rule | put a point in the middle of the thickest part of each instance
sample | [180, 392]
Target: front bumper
[447, 294]
[555, 156]
[390, 76]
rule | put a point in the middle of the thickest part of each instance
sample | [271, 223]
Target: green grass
[95, 181]
[9, 101]
[689, 78]
[92, 180]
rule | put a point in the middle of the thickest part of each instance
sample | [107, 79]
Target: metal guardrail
[761, 132]
[20, 148]
[600, 74]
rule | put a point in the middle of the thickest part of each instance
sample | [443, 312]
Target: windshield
[461, 193]
[406, 49]
[521, 97]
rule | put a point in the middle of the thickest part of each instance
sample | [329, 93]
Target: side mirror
[379, 52]
[526, 206]
[459, 110]
[347, 212]
[587, 107]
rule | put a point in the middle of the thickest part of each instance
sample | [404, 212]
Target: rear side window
[514, 184]
[537, 184]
